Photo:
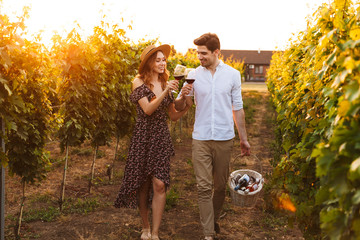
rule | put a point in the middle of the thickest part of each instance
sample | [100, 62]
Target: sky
[240, 24]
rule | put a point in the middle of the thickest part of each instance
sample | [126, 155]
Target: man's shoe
[217, 228]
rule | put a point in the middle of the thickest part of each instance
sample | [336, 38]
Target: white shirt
[216, 96]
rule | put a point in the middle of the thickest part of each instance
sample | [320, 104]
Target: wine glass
[190, 75]
[190, 78]
[179, 73]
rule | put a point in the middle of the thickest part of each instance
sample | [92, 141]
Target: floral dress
[150, 149]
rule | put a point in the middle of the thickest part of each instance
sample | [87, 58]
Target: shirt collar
[221, 63]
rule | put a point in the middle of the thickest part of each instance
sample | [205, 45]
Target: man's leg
[202, 162]
[222, 155]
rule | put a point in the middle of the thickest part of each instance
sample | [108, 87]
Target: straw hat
[150, 50]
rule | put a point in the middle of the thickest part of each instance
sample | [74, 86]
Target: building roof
[249, 56]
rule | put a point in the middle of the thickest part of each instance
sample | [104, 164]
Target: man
[217, 94]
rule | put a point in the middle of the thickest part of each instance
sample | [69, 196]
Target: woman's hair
[147, 71]
[210, 40]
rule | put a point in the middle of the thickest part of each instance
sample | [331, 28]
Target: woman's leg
[143, 204]
[158, 204]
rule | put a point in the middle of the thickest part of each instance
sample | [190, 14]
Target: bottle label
[243, 182]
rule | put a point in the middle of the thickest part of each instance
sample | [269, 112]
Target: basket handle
[256, 158]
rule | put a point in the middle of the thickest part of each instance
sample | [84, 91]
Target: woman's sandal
[145, 234]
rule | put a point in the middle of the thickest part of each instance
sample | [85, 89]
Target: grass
[129, 233]
[48, 214]
[250, 100]
[276, 221]
[81, 151]
[121, 157]
[44, 198]
[172, 197]
[248, 86]
[86, 152]
[79, 205]
[46, 209]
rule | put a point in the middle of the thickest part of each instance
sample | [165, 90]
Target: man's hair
[210, 40]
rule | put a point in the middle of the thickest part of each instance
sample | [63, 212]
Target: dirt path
[180, 221]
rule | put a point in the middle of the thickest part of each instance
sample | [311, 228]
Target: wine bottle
[243, 182]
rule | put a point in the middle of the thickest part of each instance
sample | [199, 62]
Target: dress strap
[140, 92]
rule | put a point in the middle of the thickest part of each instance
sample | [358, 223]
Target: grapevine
[314, 85]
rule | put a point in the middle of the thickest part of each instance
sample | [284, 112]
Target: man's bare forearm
[239, 117]
[180, 104]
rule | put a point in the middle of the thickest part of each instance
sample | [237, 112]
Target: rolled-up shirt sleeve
[236, 97]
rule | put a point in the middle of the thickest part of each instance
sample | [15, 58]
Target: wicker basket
[246, 199]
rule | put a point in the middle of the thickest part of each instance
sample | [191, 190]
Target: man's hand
[245, 148]
[186, 90]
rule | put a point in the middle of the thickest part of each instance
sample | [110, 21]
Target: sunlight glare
[60, 17]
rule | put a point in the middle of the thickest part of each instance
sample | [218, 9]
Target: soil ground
[92, 216]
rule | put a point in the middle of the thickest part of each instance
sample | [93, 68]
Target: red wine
[178, 77]
[190, 80]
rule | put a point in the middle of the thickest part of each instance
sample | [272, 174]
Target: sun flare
[49, 17]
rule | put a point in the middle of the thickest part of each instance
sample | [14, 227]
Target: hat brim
[165, 49]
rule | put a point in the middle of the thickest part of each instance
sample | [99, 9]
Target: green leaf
[352, 91]
[356, 226]
[322, 195]
[344, 107]
[355, 165]
[6, 86]
[323, 163]
[332, 221]
[332, 58]
[356, 198]
[6, 58]
[340, 78]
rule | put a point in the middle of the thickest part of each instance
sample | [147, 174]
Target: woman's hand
[173, 85]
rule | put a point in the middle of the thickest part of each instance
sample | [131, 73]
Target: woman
[147, 171]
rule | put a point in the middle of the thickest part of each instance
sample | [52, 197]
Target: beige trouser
[211, 165]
